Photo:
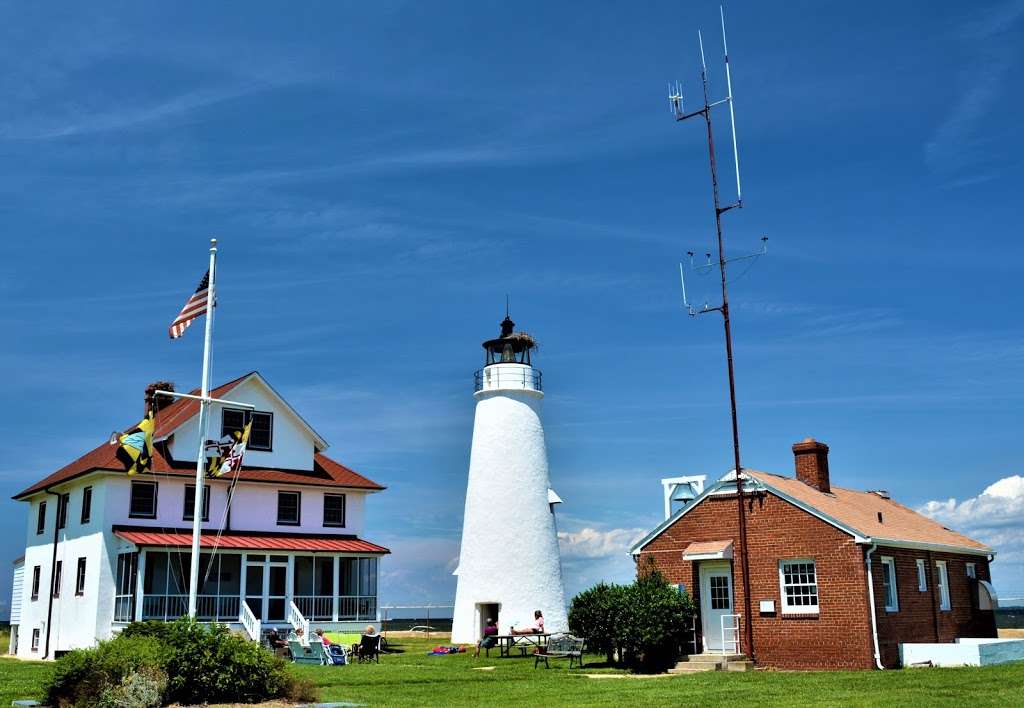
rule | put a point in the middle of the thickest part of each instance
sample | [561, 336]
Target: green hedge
[183, 662]
[645, 623]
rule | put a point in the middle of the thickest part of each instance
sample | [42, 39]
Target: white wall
[509, 553]
[254, 507]
[292, 443]
[74, 618]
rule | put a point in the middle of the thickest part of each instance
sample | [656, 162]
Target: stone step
[712, 658]
[685, 668]
[739, 666]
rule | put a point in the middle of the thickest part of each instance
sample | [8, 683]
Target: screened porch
[152, 584]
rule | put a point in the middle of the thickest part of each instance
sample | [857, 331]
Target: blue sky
[381, 175]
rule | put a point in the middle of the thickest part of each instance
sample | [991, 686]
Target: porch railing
[731, 634]
[228, 608]
[320, 608]
[219, 608]
[249, 621]
[297, 621]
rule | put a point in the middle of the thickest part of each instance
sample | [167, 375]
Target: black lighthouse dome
[511, 347]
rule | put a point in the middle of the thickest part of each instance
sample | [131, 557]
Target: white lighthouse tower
[509, 564]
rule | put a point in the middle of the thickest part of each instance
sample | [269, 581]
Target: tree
[595, 614]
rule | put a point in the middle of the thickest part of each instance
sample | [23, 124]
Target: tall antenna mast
[676, 104]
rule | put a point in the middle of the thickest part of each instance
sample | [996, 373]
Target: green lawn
[412, 678]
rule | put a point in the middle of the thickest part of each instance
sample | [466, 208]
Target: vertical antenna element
[732, 113]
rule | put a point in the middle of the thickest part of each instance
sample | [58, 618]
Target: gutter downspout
[871, 602]
[53, 571]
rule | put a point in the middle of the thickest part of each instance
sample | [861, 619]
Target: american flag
[195, 306]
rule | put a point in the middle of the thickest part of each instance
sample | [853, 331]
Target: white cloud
[995, 517]
[592, 543]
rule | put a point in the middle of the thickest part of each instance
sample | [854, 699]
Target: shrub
[151, 663]
[654, 621]
[81, 677]
[141, 689]
[210, 664]
[646, 621]
[595, 614]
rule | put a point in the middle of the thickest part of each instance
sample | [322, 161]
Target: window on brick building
[942, 581]
[922, 579]
[799, 585]
[892, 598]
[971, 571]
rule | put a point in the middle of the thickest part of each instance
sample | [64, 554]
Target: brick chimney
[155, 402]
[812, 464]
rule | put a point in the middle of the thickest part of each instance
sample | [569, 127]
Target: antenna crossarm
[700, 112]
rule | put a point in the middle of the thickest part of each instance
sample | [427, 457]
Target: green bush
[182, 662]
[646, 622]
[653, 625]
[140, 689]
[80, 677]
[595, 614]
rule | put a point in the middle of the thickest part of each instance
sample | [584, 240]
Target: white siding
[19, 582]
[254, 507]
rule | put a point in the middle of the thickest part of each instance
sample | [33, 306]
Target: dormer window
[261, 436]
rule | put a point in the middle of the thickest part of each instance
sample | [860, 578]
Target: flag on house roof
[194, 307]
[135, 448]
[227, 455]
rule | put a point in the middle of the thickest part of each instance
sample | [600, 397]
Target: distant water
[402, 624]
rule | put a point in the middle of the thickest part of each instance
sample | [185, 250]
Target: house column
[241, 585]
[140, 584]
[337, 590]
[289, 582]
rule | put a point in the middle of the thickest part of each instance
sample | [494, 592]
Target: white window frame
[972, 571]
[798, 609]
[942, 581]
[892, 593]
[35, 639]
[922, 576]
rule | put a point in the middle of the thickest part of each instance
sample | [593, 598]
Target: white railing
[249, 621]
[357, 608]
[731, 634]
[319, 608]
[218, 608]
[297, 621]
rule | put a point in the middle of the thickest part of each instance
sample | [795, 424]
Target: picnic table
[508, 642]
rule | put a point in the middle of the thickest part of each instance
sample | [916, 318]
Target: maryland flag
[135, 448]
[226, 456]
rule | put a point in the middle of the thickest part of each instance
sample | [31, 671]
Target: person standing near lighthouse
[509, 564]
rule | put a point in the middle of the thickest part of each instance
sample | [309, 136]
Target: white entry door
[715, 601]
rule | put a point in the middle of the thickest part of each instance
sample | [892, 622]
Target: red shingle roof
[325, 470]
[250, 541]
[860, 512]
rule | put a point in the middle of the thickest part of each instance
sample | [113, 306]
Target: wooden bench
[561, 646]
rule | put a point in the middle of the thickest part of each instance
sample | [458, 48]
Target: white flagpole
[204, 424]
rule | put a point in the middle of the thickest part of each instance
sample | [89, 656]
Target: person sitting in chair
[490, 638]
[536, 628]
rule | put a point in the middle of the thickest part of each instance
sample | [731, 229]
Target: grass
[412, 678]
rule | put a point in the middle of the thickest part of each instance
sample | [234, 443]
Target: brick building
[838, 578]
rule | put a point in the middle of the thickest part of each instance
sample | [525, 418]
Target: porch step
[712, 662]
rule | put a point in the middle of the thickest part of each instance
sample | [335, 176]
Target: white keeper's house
[104, 549]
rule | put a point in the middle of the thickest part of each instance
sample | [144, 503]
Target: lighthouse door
[715, 601]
